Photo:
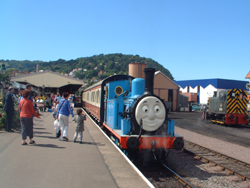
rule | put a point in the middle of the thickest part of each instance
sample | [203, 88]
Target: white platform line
[131, 164]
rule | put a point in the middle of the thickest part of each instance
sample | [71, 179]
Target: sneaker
[74, 140]
[65, 138]
[80, 142]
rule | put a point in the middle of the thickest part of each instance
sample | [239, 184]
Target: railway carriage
[230, 108]
[135, 118]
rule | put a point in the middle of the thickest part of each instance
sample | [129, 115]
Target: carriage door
[105, 103]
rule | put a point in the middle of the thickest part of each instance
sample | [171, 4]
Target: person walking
[26, 117]
[63, 115]
[79, 123]
[9, 109]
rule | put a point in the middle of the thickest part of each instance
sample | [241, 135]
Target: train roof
[110, 79]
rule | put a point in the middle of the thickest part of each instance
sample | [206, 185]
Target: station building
[204, 88]
[49, 82]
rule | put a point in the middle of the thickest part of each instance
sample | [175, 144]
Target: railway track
[234, 166]
[160, 175]
[184, 182]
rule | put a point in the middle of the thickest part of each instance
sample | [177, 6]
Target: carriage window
[100, 95]
[241, 96]
[97, 96]
[94, 97]
[233, 95]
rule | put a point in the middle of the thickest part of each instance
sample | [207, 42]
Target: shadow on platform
[35, 132]
[50, 137]
[38, 128]
[93, 143]
[49, 146]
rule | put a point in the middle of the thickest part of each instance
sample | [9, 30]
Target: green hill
[110, 64]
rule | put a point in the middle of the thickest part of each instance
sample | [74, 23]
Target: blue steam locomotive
[132, 114]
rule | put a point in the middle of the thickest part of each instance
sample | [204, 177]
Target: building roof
[248, 75]
[159, 72]
[47, 79]
[216, 82]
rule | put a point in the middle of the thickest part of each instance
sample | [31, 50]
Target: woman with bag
[63, 115]
[26, 117]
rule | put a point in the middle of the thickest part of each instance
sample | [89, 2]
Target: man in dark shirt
[9, 109]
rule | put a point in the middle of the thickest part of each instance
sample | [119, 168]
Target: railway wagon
[135, 118]
[229, 108]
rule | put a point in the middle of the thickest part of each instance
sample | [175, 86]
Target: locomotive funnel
[149, 80]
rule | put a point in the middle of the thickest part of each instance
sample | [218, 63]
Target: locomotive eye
[145, 109]
[157, 108]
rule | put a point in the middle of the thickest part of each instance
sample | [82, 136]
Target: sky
[192, 39]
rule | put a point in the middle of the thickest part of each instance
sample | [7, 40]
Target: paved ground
[231, 141]
[54, 163]
[192, 121]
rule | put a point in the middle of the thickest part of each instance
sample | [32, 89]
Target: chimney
[149, 80]
[37, 67]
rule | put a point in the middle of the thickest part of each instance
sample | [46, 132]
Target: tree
[108, 64]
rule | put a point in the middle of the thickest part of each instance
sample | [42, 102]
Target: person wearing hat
[9, 109]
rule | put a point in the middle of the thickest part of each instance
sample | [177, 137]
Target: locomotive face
[152, 112]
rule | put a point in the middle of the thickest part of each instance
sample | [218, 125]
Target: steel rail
[184, 182]
[204, 159]
[220, 154]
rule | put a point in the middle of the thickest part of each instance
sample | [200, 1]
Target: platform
[54, 163]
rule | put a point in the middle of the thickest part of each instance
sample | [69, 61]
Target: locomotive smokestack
[149, 80]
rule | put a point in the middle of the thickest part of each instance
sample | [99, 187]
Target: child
[55, 108]
[79, 124]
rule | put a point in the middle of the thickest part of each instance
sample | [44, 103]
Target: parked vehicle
[195, 107]
[229, 108]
